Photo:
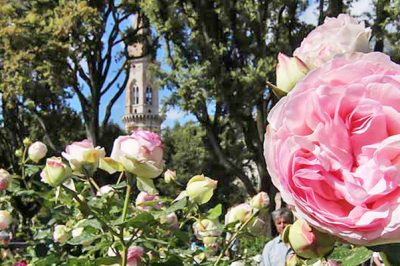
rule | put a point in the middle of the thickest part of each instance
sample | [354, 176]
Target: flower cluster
[332, 144]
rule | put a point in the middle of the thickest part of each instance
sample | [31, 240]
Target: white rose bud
[240, 213]
[61, 234]
[4, 179]
[169, 176]
[37, 151]
[288, 72]
[260, 201]
[5, 220]
[200, 188]
[55, 172]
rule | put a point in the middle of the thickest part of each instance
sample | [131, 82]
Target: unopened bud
[27, 142]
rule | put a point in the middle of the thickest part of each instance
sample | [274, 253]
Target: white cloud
[356, 8]
[176, 115]
[360, 7]
[310, 15]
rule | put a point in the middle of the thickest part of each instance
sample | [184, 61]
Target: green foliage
[349, 255]
[186, 151]
[221, 54]
[55, 47]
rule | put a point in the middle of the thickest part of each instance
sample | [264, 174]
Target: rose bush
[89, 224]
[332, 148]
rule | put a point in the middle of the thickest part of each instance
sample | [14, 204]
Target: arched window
[149, 95]
[136, 95]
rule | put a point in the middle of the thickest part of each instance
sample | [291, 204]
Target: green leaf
[83, 239]
[350, 256]
[146, 185]
[107, 261]
[179, 205]
[215, 212]
[32, 169]
[120, 185]
[142, 220]
[92, 223]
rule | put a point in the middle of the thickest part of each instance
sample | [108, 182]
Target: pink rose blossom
[134, 255]
[335, 37]
[144, 198]
[141, 153]
[83, 156]
[333, 148]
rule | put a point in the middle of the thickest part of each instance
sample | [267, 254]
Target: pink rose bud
[169, 176]
[83, 156]
[306, 241]
[55, 172]
[141, 153]
[288, 72]
[134, 255]
[21, 263]
[61, 234]
[240, 213]
[171, 220]
[260, 201]
[5, 220]
[37, 151]
[145, 201]
[206, 227]
[4, 179]
[200, 188]
[336, 36]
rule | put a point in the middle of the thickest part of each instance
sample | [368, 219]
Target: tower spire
[141, 96]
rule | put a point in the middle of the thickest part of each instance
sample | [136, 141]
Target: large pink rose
[335, 37]
[333, 148]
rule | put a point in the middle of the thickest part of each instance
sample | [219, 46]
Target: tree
[186, 152]
[221, 54]
[68, 45]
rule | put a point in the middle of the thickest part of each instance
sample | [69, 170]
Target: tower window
[149, 96]
[136, 95]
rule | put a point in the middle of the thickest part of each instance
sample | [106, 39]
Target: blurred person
[275, 251]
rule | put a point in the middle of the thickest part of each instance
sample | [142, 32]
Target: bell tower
[141, 97]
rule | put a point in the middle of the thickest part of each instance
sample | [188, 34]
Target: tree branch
[109, 85]
[113, 100]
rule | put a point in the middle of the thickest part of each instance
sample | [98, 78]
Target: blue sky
[175, 115]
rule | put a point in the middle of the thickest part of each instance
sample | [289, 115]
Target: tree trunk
[377, 30]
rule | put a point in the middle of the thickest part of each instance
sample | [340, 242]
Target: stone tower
[141, 100]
